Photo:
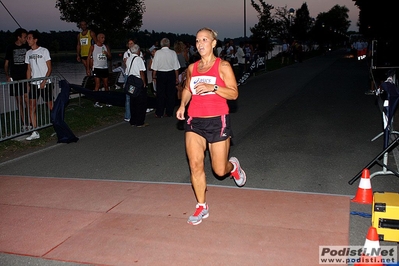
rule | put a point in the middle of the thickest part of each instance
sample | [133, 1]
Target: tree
[282, 23]
[330, 27]
[263, 31]
[377, 19]
[302, 23]
[115, 18]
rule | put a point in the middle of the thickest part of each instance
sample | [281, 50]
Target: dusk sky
[176, 16]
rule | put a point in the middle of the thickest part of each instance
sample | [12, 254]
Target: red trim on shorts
[189, 121]
[223, 118]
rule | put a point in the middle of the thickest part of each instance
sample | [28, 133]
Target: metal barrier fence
[16, 112]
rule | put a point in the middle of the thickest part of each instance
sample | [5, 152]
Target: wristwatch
[215, 87]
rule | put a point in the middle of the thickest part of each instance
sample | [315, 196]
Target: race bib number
[84, 41]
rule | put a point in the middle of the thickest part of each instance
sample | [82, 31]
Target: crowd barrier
[15, 118]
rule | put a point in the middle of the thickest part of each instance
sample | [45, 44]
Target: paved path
[306, 128]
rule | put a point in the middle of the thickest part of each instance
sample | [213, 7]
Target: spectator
[86, 38]
[126, 55]
[182, 55]
[149, 70]
[299, 48]
[210, 83]
[230, 51]
[135, 66]
[38, 62]
[154, 46]
[248, 54]
[15, 69]
[219, 48]
[240, 55]
[165, 66]
[150, 82]
[100, 53]
[297, 51]
[120, 81]
[191, 49]
[285, 52]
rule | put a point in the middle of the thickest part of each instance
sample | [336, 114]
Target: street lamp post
[245, 20]
[291, 13]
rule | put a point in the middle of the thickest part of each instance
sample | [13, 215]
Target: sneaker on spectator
[200, 213]
[126, 119]
[34, 135]
[143, 125]
[238, 174]
[149, 110]
[108, 105]
[97, 105]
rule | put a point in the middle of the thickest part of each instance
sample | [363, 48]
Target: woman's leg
[219, 152]
[195, 148]
[222, 166]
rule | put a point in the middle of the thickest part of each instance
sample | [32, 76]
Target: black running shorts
[213, 129]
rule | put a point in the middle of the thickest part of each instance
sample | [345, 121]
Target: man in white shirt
[165, 66]
[138, 105]
[39, 66]
[126, 55]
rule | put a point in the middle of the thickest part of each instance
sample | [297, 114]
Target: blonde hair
[213, 33]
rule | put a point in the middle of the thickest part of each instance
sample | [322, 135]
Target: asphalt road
[306, 127]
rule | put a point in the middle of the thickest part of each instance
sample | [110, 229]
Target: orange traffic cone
[364, 193]
[371, 246]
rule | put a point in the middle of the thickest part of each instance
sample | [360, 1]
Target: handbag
[133, 85]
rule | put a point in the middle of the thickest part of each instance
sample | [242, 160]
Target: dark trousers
[166, 93]
[138, 107]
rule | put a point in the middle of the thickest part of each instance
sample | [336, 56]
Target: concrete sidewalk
[305, 129]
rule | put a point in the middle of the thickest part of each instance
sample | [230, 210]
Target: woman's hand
[202, 88]
[180, 113]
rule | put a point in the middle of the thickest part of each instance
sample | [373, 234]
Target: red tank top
[207, 104]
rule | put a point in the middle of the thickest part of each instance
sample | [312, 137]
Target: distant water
[66, 67]
[275, 51]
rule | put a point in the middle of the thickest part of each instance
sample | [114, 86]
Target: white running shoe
[199, 214]
[35, 135]
[97, 105]
[238, 173]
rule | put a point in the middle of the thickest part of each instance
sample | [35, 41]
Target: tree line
[330, 28]
[57, 41]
